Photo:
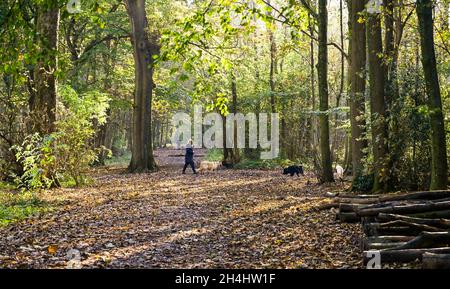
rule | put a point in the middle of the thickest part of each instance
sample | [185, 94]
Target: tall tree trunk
[377, 103]
[341, 31]
[348, 143]
[391, 85]
[273, 65]
[313, 85]
[142, 148]
[249, 152]
[335, 143]
[424, 11]
[43, 101]
[322, 69]
[236, 156]
[389, 47]
[273, 68]
[358, 81]
[228, 158]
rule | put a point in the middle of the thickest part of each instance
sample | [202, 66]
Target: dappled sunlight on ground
[222, 219]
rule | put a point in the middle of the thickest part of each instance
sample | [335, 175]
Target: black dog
[292, 170]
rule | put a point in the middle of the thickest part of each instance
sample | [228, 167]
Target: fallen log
[357, 201]
[348, 208]
[348, 217]
[346, 202]
[422, 227]
[440, 223]
[353, 196]
[384, 201]
[382, 245]
[425, 195]
[432, 214]
[374, 230]
[327, 206]
[435, 261]
[402, 256]
[354, 207]
[383, 205]
[406, 209]
[380, 239]
[397, 227]
[367, 220]
[426, 240]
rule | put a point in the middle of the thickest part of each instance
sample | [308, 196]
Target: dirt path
[224, 219]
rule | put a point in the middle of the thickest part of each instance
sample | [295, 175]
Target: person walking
[189, 157]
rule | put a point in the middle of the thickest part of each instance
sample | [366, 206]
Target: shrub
[66, 153]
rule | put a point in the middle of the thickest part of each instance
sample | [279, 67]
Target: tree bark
[440, 223]
[236, 155]
[422, 195]
[409, 255]
[406, 209]
[322, 69]
[348, 150]
[389, 239]
[357, 86]
[426, 240]
[381, 245]
[432, 214]
[272, 72]
[377, 102]
[424, 11]
[349, 217]
[43, 101]
[142, 147]
[313, 86]
[435, 261]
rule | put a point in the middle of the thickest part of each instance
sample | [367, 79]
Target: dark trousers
[189, 163]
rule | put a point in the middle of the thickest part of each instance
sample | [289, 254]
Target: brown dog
[206, 166]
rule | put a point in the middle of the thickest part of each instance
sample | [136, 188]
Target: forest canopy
[361, 85]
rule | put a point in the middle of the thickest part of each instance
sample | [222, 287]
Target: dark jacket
[189, 157]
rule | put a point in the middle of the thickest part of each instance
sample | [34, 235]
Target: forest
[351, 98]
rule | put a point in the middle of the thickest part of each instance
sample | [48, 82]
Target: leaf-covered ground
[223, 219]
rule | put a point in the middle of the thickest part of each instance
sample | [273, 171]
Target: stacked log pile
[402, 227]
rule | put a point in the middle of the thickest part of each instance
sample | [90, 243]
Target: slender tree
[236, 154]
[424, 11]
[313, 83]
[273, 69]
[322, 68]
[348, 141]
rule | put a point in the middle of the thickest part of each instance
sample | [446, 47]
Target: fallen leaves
[223, 219]
[52, 249]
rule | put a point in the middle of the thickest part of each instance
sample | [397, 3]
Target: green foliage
[66, 153]
[15, 207]
[202, 44]
[88, 107]
[35, 156]
[363, 183]
[122, 160]
[214, 155]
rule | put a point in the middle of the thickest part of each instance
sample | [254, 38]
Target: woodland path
[223, 219]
